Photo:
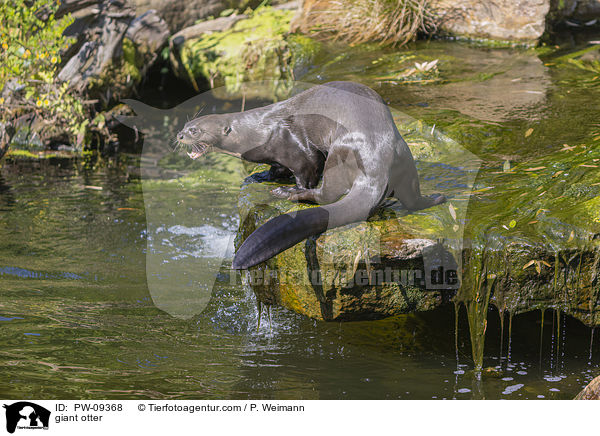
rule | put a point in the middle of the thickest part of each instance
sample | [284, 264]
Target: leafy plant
[31, 44]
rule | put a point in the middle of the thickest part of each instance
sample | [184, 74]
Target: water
[78, 320]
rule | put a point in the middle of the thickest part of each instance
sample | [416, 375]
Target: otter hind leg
[421, 202]
[335, 181]
[410, 196]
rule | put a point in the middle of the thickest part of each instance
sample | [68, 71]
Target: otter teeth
[194, 154]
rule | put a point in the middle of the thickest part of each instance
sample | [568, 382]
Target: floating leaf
[356, 260]
[571, 236]
[528, 132]
[506, 166]
[512, 224]
[535, 169]
[452, 211]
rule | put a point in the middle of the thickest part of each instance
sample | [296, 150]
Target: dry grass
[393, 22]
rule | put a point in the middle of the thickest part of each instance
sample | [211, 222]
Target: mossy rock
[591, 391]
[361, 271]
[256, 48]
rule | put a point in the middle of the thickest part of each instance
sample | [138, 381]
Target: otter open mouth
[198, 150]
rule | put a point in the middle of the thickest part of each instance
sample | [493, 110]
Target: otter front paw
[283, 192]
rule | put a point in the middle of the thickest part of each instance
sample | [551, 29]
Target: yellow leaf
[535, 168]
[452, 211]
[528, 132]
[528, 264]
[356, 260]
[571, 236]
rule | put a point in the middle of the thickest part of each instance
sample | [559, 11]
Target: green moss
[304, 49]
[16, 154]
[256, 48]
[22, 154]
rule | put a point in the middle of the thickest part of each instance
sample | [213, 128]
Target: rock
[116, 50]
[7, 132]
[362, 271]
[521, 21]
[591, 391]
[524, 21]
[582, 11]
[180, 14]
[149, 33]
[232, 50]
[502, 19]
[177, 41]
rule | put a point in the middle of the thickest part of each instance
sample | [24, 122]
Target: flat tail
[279, 234]
[285, 231]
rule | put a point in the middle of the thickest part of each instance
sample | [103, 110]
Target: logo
[26, 415]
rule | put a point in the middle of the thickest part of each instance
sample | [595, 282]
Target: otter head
[201, 134]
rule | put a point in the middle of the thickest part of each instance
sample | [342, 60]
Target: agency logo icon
[26, 415]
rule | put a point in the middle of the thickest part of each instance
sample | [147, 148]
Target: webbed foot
[284, 192]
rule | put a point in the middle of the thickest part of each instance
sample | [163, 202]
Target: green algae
[23, 154]
[257, 48]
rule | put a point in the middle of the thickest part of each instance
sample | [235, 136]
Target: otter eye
[226, 130]
[193, 130]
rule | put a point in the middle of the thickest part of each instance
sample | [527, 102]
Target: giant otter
[340, 143]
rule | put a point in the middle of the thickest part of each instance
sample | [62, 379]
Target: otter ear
[226, 130]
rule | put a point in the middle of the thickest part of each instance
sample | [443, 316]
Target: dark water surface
[78, 320]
